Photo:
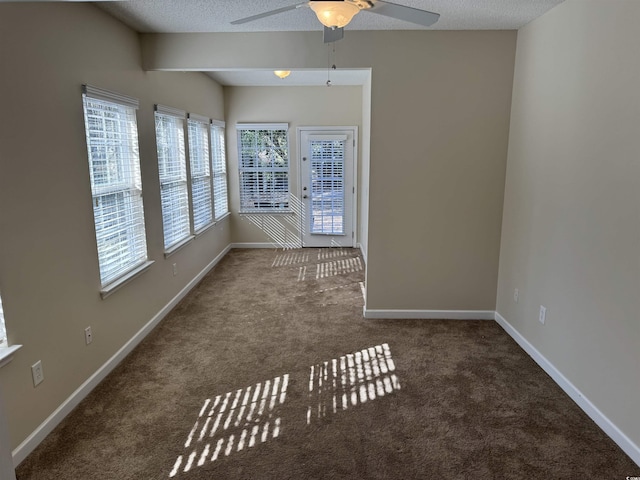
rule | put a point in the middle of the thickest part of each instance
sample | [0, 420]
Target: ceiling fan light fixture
[334, 14]
[282, 73]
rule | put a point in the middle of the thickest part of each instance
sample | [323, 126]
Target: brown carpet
[267, 370]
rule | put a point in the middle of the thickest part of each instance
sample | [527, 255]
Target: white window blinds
[220, 198]
[264, 167]
[116, 186]
[3, 328]
[327, 184]
[199, 161]
[172, 167]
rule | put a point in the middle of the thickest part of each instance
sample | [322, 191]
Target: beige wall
[440, 105]
[299, 107]
[571, 228]
[439, 129]
[49, 274]
[365, 167]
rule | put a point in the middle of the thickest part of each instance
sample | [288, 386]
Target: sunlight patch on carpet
[291, 258]
[338, 267]
[233, 421]
[302, 274]
[330, 269]
[330, 262]
[352, 379]
[328, 253]
[241, 419]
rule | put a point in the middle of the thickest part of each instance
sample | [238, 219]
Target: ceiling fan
[336, 14]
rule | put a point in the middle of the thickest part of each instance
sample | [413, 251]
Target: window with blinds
[3, 328]
[264, 167]
[116, 186]
[327, 186]
[172, 167]
[220, 198]
[200, 163]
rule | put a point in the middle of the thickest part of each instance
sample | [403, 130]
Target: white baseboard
[45, 428]
[265, 245]
[624, 442]
[430, 314]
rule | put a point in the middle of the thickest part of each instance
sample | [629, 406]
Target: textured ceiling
[173, 16]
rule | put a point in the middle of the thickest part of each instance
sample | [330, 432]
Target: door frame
[324, 129]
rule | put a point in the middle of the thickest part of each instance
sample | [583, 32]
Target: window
[220, 200]
[264, 167]
[172, 167]
[6, 351]
[199, 160]
[114, 169]
[3, 328]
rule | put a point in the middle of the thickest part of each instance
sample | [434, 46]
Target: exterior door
[327, 187]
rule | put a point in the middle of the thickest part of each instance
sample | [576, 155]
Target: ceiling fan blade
[332, 34]
[408, 14]
[268, 14]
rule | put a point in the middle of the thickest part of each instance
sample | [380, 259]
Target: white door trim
[354, 130]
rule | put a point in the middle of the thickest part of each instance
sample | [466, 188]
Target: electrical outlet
[88, 336]
[37, 373]
[516, 294]
[543, 314]
[175, 269]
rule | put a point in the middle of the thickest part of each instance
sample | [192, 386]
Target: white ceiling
[173, 16]
[176, 16]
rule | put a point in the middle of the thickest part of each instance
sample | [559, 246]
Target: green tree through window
[264, 168]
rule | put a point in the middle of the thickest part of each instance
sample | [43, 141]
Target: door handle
[305, 196]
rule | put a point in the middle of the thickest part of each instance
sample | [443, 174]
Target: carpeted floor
[267, 370]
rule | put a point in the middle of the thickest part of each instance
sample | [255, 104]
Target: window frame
[269, 206]
[126, 191]
[219, 169]
[4, 341]
[6, 351]
[174, 187]
[205, 178]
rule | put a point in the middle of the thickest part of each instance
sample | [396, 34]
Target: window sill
[6, 354]
[226, 215]
[174, 248]
[116, 285]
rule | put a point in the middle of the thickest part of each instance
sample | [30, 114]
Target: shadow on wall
[241, 419]
[287, 229]
[284, 230]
